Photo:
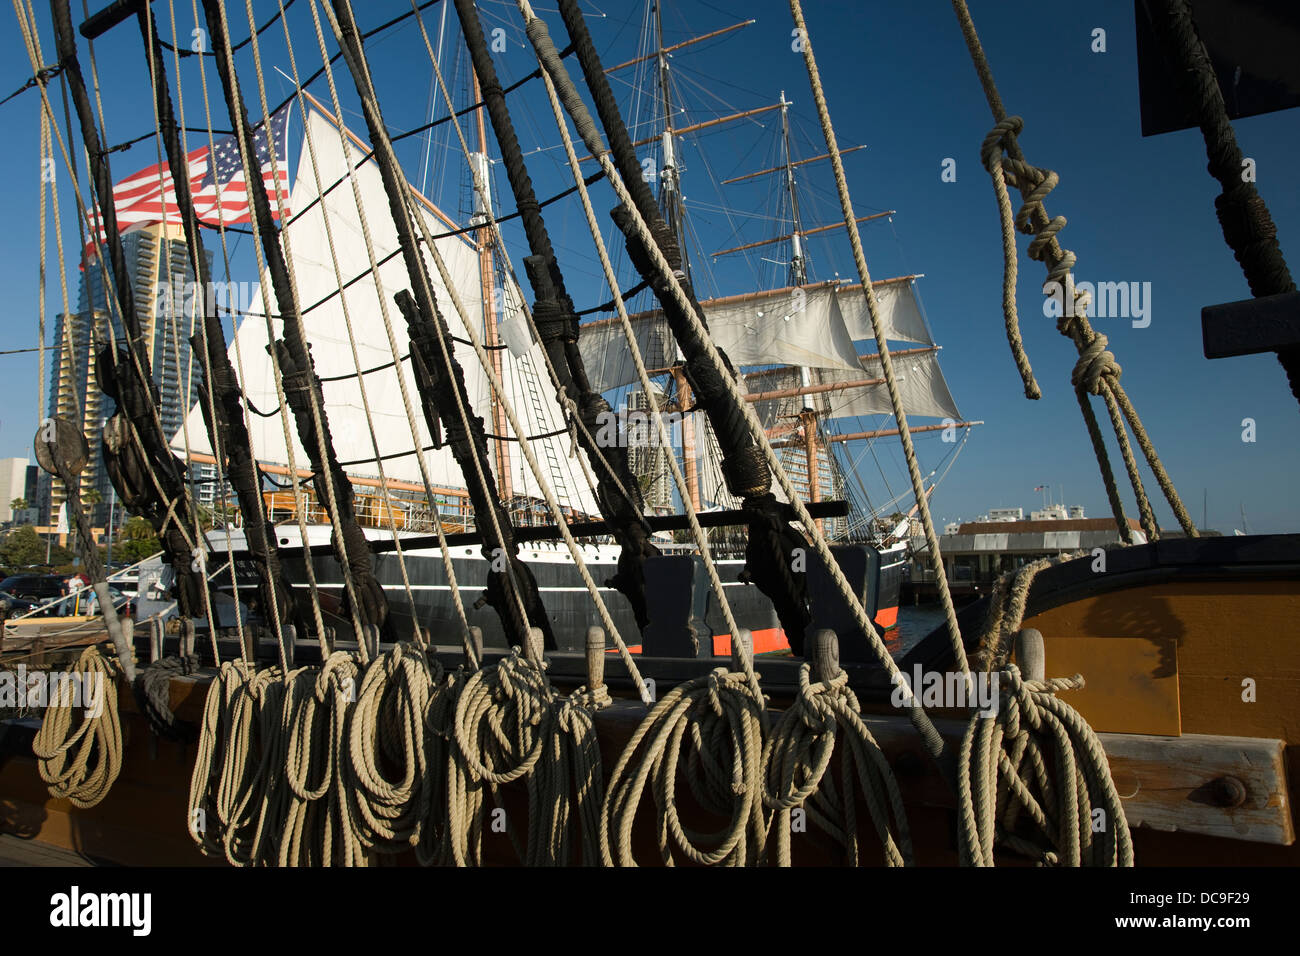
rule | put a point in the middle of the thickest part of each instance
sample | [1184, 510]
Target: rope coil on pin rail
[798, 754]
[509, 725]
[1034, 777]
[80, 763]
[388, 732]
[721, 721]
[320, 828]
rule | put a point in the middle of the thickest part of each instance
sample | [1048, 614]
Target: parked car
[38, 587]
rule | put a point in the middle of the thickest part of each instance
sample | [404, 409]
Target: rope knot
[1095, 362]
[995, 142]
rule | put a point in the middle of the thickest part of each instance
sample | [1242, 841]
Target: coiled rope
[1039, 762]
[389, 782]
[320, 828]
[798, 754]
[511, 725]
[80, 761]
[231, 768]
[719, 719]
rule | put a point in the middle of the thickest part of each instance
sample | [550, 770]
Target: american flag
[149, 196]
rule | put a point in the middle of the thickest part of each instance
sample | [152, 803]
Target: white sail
[332, 348]
[797, 326]
[920, 382]
[900, 313]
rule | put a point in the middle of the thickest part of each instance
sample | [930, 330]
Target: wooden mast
[670, 202]
[487, 280]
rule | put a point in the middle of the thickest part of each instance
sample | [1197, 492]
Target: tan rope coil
[795, 760]
[1033, 777]
[319, 826]
[81, 761]
[388, 733]
[509, 725]
[720, 721]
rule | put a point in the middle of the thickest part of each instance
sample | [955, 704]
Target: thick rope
[1007, 611]
[1034, 778]
[795, 760]
[719, 718]
[81, 760]
[1096, 371]
[320, 829]
[389, 779]
[1247, 226]
[882, 344]
[510, 725]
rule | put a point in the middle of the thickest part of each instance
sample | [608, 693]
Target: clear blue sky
[899, 81]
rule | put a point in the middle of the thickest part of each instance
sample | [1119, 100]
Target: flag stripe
[218, 188]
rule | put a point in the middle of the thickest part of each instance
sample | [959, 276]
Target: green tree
[22, 548]
[136, 541]
[18, 504]
[92, 496]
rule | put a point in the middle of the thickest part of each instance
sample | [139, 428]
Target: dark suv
[39, 587]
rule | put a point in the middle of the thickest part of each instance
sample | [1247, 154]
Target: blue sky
[898, 80]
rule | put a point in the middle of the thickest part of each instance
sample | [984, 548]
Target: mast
[670, 198]
[487, 278]
[671, 203]
[798, 268]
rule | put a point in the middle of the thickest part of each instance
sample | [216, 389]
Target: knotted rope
[81, 762]
[720, 719]
[1034, 778]
[798, 754]
[1096, 371]
[152, 690]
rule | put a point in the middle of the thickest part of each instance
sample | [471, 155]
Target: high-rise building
[13, 484]
[160, 271]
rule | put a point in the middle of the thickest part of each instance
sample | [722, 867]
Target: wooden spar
[677, 46]
[690, 469]
[811, 389]
[487, 281]
[884, 432]
[695, 127]
[782, 167]
[809, 232]
[759, 296]
[899, 353]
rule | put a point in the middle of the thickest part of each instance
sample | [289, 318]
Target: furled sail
[308, 245]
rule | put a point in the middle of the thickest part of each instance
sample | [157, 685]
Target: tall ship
[803, 348]
[479, 548]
